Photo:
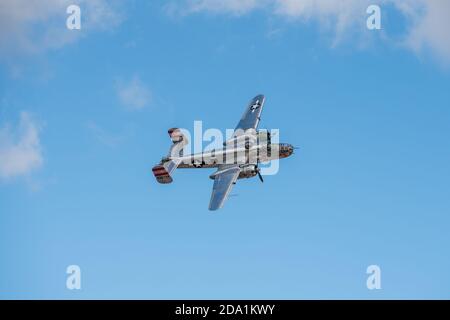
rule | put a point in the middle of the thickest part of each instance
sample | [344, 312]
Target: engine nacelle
[248, 172]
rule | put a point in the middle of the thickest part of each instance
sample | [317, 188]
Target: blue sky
[84, 116]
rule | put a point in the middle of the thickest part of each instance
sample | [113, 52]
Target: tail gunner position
[238, 158]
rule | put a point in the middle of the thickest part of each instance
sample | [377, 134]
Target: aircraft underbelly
[189, 166]
[239, 156]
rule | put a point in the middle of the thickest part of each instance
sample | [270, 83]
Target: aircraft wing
[227, 174]
[224, 179]
[252, 115]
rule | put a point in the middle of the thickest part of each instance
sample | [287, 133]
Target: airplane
[237, 159]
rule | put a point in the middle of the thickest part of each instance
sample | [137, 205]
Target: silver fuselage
[235, 155]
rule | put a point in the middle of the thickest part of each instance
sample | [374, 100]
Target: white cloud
[20, 149]
[339, 16]
[343, 10]
[237, 7]
[31, 26]
[134, 95]
[305, 9]
[430, 26]
[428, 20]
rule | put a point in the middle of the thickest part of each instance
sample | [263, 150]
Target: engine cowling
[248, 172]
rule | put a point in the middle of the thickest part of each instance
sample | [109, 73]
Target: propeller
[260, 176]
[258, 171]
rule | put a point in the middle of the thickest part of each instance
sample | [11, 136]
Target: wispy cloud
[108, 138]
[20, 148]
[427, 20]
[134, 94]
[235, 7]
[430, 26]
[33, 26]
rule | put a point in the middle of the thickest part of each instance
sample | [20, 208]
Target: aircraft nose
[286, 150]
[290, 148]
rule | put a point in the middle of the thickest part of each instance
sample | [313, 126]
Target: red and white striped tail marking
[161, 174]
[163, 171]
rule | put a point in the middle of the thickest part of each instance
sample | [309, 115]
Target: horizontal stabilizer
[163, 171]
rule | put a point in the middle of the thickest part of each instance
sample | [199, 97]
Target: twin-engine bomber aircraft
[239, 157]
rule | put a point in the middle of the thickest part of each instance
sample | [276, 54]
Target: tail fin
[179, 141]
[164, 170]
